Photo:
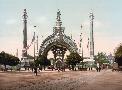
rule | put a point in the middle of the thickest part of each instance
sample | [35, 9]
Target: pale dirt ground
[69, 80]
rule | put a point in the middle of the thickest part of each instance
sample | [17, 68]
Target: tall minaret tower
[91, 36]
[24, 51]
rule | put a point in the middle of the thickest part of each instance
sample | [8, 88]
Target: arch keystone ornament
[58, 42]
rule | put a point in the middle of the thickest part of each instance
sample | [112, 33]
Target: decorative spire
[24, 52]
[91, 36]
[91, 16]
[80, 44]
[58, 29]
[25, 16]
[58, 22]
[58, 15]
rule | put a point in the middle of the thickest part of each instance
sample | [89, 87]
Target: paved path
[70, 80]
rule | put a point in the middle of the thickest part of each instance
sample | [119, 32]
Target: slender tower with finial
[91, 36]
[24, 51]
[81, 43]
[58, 29]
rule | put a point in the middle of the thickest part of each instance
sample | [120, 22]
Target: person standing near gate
[98, 67]
[35, 70]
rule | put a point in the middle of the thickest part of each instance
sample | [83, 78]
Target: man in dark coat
[35, 70]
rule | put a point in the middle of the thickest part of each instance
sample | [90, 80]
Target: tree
[73, 59]
[8, 59]
[118, 55]
[42, 60]
[30, 57]
[101, 58]
[13, 61]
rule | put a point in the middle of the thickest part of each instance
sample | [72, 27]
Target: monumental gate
[58, 42]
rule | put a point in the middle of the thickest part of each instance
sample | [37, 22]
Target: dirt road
[69, 80]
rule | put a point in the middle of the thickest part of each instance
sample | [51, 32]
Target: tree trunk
[44, 67]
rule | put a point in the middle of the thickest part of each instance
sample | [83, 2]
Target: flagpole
[37, 45]
[34, 47]
[81, 46]
[88, 47]
[34, 44]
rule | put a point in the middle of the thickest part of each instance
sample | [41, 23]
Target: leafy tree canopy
[73, 58]
[101, 58]
[42, 60]
[118, 52]
[8, 59]
[118, 55]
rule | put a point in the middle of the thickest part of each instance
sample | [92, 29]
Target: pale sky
[42, 13]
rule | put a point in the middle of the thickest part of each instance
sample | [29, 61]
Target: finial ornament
[58, 15]
[91, 16]
[25, 16]
[58, 28]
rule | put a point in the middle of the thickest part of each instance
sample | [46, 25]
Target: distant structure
[81, 46]
[24, 59]
[91, 36]
[58, 43]
[24, 51]
[90, 45]
[110, 58]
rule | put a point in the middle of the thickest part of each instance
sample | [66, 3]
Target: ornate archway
[58, 42]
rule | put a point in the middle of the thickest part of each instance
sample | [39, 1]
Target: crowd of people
[59, 67]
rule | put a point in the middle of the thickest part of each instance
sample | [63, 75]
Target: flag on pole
[81, 40]
[81, 37]
[33, 37]
[80, 44]
[28, 46]
[88, 44]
